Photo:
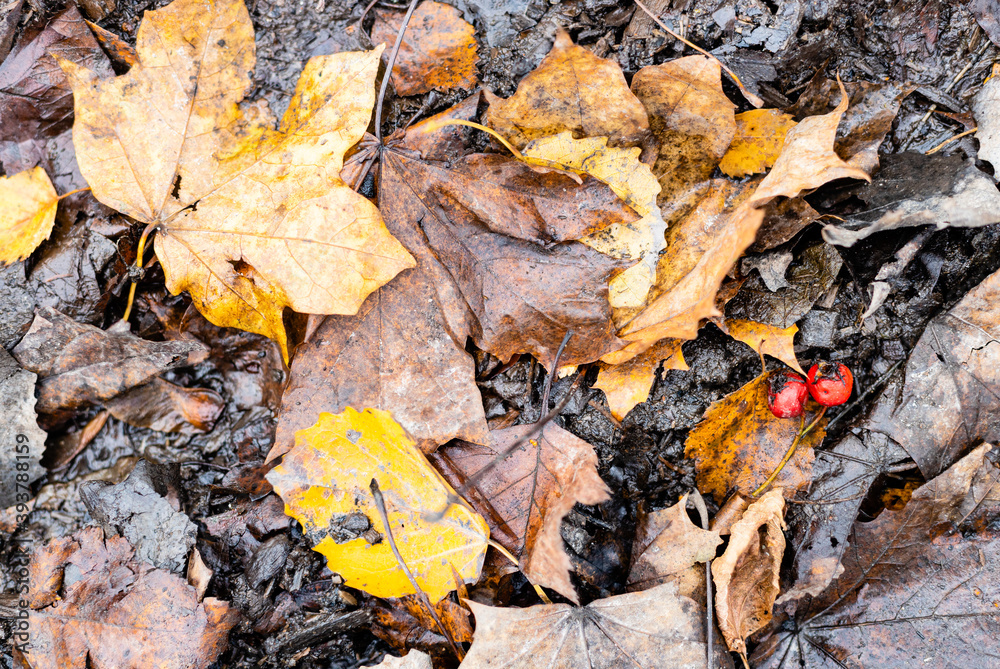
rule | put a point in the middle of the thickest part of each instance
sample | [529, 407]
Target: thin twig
[555, 366]
[950, 140]
[388, 70]
[699, 503]
[380, 505]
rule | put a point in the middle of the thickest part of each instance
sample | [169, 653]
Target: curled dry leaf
[746, 576]
[19, 429]
[629, 383]
[653, 628]
[252, 220]
[949, 395]
[692, 120]
[634, 183]
[666, 544]
[759, 139]
[79, 364]
[395, 354]
[526, 496]
[27, 212]
[593, 100]
[438, 49]
[324, 481]
[768, 339]
[93, 604]
[739, 443]
[918, 570]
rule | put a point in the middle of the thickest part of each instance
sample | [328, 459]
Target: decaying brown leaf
[526, 496]
[438, 49]
[948, 397]
[666, 544]
[746, 576]
[629, 383]
[27, 212]
[93, 604]
[739, 443]
[918, 588]
[79, 364]
[167, 407]
[691, 118]
[574, 90]
[397, 355]
[653, 628]
[405, 624]
[252, 220]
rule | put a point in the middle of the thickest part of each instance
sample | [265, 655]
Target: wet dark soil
[295, 612]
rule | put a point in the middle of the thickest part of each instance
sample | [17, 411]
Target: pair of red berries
[830, 384]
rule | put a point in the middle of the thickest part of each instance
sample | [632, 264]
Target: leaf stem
[803, 431]
[139, 251]
[388, 70]
[437, 125]
[421, 595]
[73, 192]
[510, 556]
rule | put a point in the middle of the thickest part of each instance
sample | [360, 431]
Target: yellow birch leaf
[324, 481]
[629, 383]
[252, 219]
[27, 212]
[635, 184]
[770, 339]
[760, 136]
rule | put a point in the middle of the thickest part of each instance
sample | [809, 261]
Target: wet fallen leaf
[986, 110]
[915, 590]
[653, 628]
[808, 160]
[121, 52]
[324, 481]
[405, 624]
[783, 219]
[629, 383]
[497, 248]
[666, 544]
[746, 576]
[397, 355]
[635, 184]
[166, 407]
[526, 496]
[947, 398]
[251, 219]
[79, 364]
[27, 212]
[760, 136]
[438, 49]
[593, 100]
[808, 281]
[767, 339]
[94, 604]
[912, 189]
[19, 430]
[739, 443]
[691, 118]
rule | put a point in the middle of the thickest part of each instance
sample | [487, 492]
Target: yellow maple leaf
[27, 212]
[634, 183]
[324, 481]
[760, 136]
[252, 219]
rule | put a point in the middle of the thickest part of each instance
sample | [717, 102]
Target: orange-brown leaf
[760, 136]
[629, 383]
[767, 339]
[438, 50]
[739, 443]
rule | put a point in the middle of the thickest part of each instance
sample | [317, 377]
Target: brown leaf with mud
[666, 545]
[405, 624]
[79, 364]
[701, 249]
[739, 443]
[165, 407]
[783, 219]
[949, 395]
[653, 628]
[920, 586]
[767, 339]
[525, 497]
[253, 219]
[96, 605]
[629, 383]
[692, 120]
[497, 249]
[438, 51]
[395, 354]
[746, 576]
[574, 90]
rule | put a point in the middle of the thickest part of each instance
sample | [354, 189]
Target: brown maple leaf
[525, 497]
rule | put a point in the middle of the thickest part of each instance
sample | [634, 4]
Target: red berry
[786, 394]
[830, 383]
